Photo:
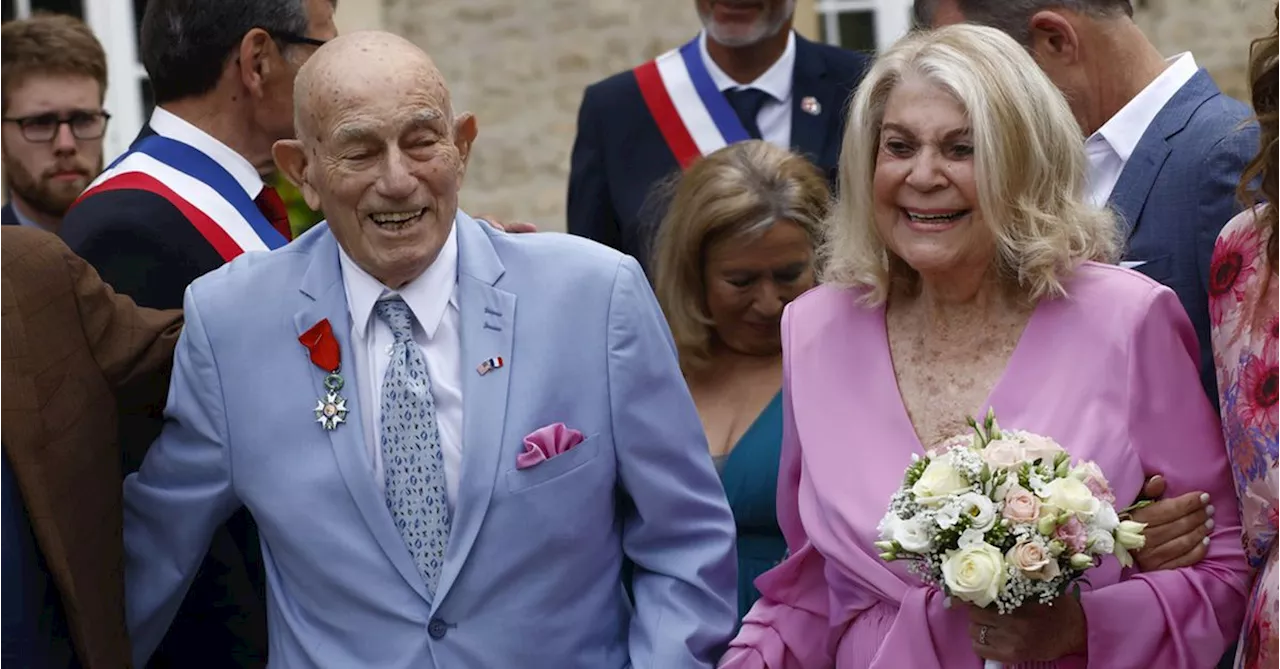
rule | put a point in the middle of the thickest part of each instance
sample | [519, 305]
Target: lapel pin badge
[811, 106]
[489, 365]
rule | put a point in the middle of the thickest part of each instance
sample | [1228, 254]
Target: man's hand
[513, 227]
[1177, 529]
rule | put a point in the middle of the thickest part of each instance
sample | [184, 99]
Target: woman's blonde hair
[1029, 165]
[739, 191]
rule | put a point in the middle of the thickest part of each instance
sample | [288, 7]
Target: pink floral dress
[1243, 312]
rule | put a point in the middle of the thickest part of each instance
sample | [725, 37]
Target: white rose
[1034, 561]
[948, 515]
[939, 481]
[914, 535]
[1003, 454]
[975, 574]
[1071, 496]
[1101, 542]
[1106, 518]
[980, 510]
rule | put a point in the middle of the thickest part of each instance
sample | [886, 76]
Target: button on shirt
[1109, 149]
[774, 118]
[432, 297]
[166, 124]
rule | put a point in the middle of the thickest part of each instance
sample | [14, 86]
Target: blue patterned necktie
[411, 457]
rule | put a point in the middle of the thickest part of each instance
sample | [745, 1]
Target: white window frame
[892, 18]
[112, 22]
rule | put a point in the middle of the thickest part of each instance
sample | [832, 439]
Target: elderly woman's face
[926, 201]
[750, 280]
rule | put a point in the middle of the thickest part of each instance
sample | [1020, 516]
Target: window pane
[858, 31]
[9, 12]
[139, 6]
[72, 7]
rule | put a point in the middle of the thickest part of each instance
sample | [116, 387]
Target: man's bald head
[356, 65]
[379, 151]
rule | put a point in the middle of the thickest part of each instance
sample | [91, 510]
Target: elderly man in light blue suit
[450, 437]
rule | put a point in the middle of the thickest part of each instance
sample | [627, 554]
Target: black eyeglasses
[291, 38]
[44, 127]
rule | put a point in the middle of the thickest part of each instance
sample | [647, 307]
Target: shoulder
[117, 211]
[617, 92]
[554, 258]
[825, 311]
[34, 255]
[264, 276]
[1222, 122]
[1112, 296]
[844, 63]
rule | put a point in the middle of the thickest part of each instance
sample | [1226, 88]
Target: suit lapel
[487, 317]
[323, 284]
[1129, 195]
[814, 103]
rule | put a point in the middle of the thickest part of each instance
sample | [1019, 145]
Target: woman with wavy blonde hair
[962, 275]
[1245, 327]
[737, 245]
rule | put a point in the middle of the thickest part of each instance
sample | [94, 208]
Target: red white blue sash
[204, 191]
[692, 113]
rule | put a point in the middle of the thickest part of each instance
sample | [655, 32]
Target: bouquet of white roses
[1000, 517]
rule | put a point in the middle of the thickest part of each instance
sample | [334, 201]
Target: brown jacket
[69, 344]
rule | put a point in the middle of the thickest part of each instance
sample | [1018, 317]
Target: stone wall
[521, 67]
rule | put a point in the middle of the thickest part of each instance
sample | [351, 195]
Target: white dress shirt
[1109, 149]
[432, 297]
[774, 118]
[166, 124]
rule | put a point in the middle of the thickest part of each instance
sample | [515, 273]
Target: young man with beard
[54, 76]
[746, 75]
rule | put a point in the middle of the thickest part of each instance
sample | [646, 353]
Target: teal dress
[750, 476]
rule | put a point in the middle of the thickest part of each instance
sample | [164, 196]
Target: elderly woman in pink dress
[964, 271]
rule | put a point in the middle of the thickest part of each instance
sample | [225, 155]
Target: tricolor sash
[204, 191]
[691, 112]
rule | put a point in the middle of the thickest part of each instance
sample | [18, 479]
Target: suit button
[437, 628]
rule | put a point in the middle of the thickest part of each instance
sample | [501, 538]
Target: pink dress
[1242, 308]
[1110, 372]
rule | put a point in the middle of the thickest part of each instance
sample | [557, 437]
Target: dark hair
[49, 44]
[1013, 16]
[186, 43]
[1265, 95]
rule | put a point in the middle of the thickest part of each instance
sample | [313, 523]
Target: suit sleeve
[1179, 618]
[181, 494]
[788, 627]
[140, 244]
[127, 341]
[676, 528]
[590, 210]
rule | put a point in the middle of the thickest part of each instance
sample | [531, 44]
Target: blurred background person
[54, 76]
[737, 245]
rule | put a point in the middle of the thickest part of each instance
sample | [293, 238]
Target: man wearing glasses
[55, 77]
[185, 198]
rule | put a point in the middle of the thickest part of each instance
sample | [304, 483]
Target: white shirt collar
[168, 124]
[1123, 131]
[775, 81]
[427, 296]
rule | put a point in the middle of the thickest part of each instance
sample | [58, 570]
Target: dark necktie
[272, 207]
[747, 103]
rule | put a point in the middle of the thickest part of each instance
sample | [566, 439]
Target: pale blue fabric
[412, 461]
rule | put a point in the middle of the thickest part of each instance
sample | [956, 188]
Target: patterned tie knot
[397, 315]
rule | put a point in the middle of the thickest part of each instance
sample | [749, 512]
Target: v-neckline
[751, 429]
[992, 395]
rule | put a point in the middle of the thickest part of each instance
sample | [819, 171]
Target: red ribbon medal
[331, 409]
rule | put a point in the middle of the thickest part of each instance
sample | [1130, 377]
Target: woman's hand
[1177, 529]
[1034, 632]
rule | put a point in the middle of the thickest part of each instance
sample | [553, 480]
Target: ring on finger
[982, 635]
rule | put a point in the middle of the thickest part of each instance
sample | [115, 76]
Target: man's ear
[254, 62]
[464, 134]
[1052, 39]
[291, 160]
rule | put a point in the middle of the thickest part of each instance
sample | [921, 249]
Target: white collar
[1123, 131]
[167, 124]
[427, 295]
[775, 81]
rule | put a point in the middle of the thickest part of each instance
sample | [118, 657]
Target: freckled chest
[947, 373]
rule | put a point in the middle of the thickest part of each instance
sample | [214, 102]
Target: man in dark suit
[780, 87]
[54, 74]
[71, 347]
[188, 196]
[1166, 149]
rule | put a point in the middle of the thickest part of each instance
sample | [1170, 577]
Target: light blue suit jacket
[531, 576]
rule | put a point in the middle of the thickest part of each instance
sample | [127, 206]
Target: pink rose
[1040, 448]
[1091, 475]
[1003, 454]
[1021, 506]
[1033, 560]
[1072, 533]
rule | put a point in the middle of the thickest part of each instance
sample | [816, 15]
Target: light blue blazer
[531, 576]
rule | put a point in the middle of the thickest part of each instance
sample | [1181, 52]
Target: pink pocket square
[547, 442]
